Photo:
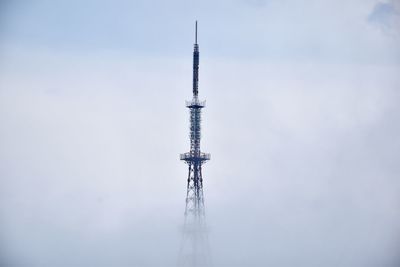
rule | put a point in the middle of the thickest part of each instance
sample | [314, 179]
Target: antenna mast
[196, 56]
[196, 34]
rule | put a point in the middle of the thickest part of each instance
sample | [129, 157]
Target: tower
[194, 250]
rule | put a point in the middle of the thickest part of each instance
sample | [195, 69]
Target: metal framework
[194, 248]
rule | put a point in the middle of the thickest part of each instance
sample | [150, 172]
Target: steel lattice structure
[194, 250]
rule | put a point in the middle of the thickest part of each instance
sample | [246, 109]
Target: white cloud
[304, 160]
[301, 121]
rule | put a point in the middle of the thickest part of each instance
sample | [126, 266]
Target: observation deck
[192, 157]
[195, 103]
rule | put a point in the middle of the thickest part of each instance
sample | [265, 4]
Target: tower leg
[194, 251]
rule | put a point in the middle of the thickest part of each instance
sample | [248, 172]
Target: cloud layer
[301, 121]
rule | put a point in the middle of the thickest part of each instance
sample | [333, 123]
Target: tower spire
[196, 56]
[195, 34]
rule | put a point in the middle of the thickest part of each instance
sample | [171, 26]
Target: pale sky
[302, 123]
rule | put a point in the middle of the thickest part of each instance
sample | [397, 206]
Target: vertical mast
[196, 66]
[195, 34]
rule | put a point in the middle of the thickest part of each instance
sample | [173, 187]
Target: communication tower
[194, 248]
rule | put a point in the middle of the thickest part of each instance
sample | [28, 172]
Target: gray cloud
[386, 16]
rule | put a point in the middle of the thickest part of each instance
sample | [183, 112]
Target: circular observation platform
[191, 157]
[195, 103]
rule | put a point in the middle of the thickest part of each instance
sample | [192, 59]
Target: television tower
[194, 249]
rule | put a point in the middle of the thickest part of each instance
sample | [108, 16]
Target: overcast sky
[302, 123]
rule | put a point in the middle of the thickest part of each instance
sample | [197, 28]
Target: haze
[302, 123]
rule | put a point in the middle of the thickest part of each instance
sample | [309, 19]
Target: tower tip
[195, 39]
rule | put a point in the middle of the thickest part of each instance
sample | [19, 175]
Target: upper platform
[195, 103]
[191, 157]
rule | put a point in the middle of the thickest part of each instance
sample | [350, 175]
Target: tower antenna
[196, 34]
[196, 56]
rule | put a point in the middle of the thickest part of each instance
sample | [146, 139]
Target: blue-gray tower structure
[194, 250]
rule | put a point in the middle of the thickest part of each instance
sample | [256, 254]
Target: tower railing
[191, 156]
[195, 103]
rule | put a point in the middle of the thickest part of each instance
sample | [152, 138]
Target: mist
[302, 123]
